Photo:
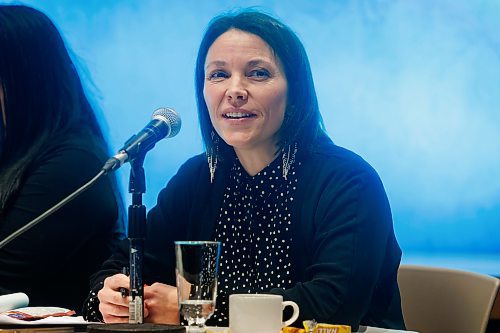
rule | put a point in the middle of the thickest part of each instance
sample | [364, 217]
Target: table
[32, 328]
[362, 329]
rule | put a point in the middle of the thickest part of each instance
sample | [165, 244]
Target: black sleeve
[165, 224]
[52, 261]
[352, 223]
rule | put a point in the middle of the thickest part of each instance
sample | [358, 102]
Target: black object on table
[100, 328]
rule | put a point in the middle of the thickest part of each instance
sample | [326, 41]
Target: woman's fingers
[113, 306]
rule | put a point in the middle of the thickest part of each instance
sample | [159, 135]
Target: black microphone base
[99, 328]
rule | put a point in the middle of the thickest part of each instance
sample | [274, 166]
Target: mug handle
[295, 314]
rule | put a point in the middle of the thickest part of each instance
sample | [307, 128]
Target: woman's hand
[160, 304]
[113, 306]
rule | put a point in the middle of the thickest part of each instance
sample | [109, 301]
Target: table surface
[363, 329]
[31, 327]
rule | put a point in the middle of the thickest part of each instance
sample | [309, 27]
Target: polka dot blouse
[254, 227]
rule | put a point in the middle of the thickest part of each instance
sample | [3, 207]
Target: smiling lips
[238, 115]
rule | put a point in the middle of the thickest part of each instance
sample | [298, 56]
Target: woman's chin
[238, 142]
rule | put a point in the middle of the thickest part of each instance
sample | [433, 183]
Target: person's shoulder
[325, 150]
[191, 172]
[338, 167]
[327, 154]
[188, 178]
[71, 157]
[194, 163]
[81, 144]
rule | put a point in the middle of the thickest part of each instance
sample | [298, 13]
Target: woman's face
[245, 91]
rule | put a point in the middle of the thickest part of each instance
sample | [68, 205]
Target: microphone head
[170, 117]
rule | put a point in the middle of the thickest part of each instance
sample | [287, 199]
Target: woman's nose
[236, 92]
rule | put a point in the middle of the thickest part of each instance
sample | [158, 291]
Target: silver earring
[288, 158]
[212, 157]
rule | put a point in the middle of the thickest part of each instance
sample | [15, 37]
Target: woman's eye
[260, 74]
[217, 76]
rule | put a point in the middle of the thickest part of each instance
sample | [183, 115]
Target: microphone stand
[136, 236]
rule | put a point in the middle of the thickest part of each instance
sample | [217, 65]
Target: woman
[296, 215]
[50, 145]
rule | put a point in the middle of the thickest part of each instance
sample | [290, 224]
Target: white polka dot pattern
[254, 228]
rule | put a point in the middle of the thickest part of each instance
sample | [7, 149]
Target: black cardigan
[344, 251]
[53, 261]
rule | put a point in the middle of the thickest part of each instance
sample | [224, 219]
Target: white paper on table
[6, 320]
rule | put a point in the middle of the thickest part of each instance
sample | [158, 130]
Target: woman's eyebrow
[218, 63]
[256, 62]
[253, 62]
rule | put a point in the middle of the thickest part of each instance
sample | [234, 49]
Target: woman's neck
[254, 160]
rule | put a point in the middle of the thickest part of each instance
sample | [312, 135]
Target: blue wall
[412, 86]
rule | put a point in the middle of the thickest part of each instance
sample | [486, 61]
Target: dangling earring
[288, 158]
[212, 157]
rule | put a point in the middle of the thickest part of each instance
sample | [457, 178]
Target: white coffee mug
[263, 313]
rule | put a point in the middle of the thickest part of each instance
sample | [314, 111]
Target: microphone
[165, 122]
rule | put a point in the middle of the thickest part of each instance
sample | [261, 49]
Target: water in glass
[197, 265]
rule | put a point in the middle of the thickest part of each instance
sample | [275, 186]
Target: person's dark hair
[43, 96]
[302, 122]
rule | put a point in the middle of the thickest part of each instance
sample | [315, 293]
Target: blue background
[412, 86]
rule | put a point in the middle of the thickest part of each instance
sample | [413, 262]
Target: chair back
[437, 300]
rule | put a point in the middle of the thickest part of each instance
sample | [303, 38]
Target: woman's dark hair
[302, 121]
[43, 96]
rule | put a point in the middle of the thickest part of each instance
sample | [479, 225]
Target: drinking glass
[197, 265]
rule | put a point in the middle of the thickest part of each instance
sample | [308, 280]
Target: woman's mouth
[237, 115]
